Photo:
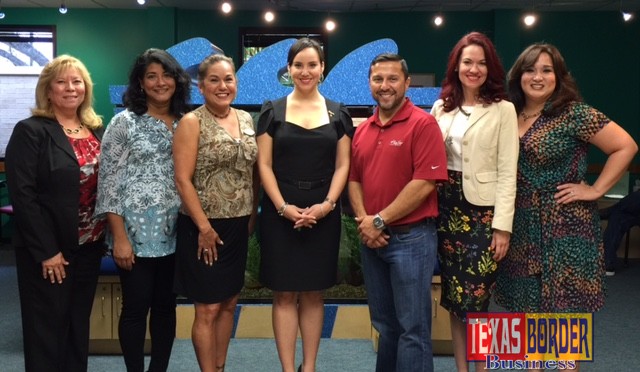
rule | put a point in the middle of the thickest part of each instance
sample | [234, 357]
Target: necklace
[73, 131]
[223, 116]
[467, 114]
[526, 116]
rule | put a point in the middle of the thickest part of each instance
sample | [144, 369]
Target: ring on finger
[49, 271]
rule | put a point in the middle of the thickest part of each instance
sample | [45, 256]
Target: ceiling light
[1, 12]
[627, 16]
[269, 16]
[330, 25]
[438, 20]
[63, 8]
[226, 7]
[141, 2]
[529, 19]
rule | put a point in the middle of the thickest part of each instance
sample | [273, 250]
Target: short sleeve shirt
[387, 157]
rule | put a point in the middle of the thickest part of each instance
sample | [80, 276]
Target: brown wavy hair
[566, 88]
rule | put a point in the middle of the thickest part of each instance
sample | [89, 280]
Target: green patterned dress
[555, 261]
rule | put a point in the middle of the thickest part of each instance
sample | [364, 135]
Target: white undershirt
[453, 142]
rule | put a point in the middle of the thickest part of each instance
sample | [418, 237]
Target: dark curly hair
[134, 97]
[566, 88]
[493, 88]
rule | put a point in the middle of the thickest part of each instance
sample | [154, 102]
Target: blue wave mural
[259, 79]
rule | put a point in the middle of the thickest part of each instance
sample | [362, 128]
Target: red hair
[493, 88]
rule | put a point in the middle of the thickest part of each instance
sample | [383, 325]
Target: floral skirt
[468, 270]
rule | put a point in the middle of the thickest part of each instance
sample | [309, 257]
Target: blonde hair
[53, 69]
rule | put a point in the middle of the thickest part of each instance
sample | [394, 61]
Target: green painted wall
[602, 52]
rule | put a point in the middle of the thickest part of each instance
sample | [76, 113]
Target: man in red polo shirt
[397, 155]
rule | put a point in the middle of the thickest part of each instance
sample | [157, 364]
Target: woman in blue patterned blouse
[137, 192]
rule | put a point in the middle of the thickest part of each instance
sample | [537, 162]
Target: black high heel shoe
[300, 368]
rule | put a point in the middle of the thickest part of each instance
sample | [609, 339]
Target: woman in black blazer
[52, 168]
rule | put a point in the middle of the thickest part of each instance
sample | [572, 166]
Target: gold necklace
[526, 116]
[73, 131]
[216, 115]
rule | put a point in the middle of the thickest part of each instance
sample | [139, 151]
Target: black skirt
[211, 284]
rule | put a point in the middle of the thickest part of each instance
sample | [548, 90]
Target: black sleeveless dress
[303, 163]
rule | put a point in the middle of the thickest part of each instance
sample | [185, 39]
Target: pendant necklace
[73, 131]
[467, 114]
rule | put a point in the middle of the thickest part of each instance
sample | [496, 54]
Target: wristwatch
[378, 222]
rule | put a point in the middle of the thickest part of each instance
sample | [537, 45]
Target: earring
[321, 78]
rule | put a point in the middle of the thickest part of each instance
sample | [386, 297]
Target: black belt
[304, 185]
[406, 228]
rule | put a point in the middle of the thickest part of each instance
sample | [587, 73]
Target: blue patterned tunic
[137, 182]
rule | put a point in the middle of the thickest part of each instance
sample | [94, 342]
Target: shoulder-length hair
[134, 97]
[566, 88]
[493, 88]
[49, 73]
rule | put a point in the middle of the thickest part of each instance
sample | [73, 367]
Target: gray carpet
[617, 337]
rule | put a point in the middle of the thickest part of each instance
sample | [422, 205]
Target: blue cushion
[108, 266]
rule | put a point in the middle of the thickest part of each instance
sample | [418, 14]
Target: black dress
[303, 163]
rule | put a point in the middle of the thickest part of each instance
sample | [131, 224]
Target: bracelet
[333, 204]
[282, 208]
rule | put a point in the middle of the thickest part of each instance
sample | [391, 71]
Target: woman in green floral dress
[477, 202]
[555, 263]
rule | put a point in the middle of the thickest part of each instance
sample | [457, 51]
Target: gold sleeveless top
[223, 176]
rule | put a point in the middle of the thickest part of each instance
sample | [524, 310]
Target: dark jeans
[148, 286]
[398, 280]
[621, 217]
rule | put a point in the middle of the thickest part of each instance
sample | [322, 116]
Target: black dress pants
[55, 317]
[148, 287]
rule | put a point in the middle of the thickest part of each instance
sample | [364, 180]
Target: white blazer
[490, 147]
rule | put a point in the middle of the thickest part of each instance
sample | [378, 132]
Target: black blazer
[43, 176]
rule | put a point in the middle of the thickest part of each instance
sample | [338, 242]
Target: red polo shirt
[385, 158]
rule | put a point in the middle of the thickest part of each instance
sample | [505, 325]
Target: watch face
[378, 223]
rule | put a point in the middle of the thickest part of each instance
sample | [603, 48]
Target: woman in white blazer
[477, 202]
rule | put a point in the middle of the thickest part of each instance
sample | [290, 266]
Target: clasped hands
[305, 217]
[369, 235]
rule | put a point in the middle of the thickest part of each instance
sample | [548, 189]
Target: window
[26, 49]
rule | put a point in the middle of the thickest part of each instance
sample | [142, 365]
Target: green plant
[349, 264]
[253, 263]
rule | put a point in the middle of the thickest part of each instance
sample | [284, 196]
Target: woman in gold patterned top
[214, 153]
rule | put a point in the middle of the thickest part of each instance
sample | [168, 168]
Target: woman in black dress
[304, 145]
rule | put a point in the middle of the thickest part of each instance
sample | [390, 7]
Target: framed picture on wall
[26, 49]
[254, 39]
